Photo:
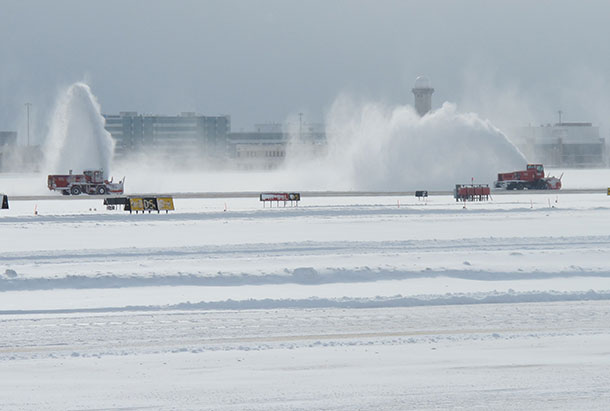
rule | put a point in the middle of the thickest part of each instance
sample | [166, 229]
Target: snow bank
[451, 299]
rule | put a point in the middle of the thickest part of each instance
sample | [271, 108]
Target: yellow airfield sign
[165, 203]
[136, 204]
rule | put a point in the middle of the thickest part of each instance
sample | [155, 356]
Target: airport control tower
[423, 95]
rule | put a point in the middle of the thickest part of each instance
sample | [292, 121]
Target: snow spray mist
[373, 147]
[77, 139]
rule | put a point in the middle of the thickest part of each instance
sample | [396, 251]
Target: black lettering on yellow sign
[150, 203]
[147, 204]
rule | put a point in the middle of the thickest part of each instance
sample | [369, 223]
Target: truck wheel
[75, 190]
[65, 192]
[101, 190]
[520, 186]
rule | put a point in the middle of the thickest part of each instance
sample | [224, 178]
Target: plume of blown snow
[378, 148]
[77, 139]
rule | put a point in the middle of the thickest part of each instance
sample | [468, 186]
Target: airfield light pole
[27, 107]
[560, 113]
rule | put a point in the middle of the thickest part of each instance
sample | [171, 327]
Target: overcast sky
[261, 61]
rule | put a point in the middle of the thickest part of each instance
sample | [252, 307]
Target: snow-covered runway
[341, 303]
[491, 356]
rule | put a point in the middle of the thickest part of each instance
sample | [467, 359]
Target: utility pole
[27, 106]
[560, 113]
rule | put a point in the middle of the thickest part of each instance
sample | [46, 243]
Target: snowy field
[339, 303]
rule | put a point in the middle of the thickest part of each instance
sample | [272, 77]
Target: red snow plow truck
[531, 178]
[90, 182]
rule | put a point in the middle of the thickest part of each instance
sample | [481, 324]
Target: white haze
[374, 147]
[77, 139]
[370, 147]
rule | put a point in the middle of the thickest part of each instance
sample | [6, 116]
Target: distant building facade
[257, 150]
[267, 147]
[562, 144]
[187, 133]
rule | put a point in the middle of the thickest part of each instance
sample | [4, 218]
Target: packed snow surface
[339, 303]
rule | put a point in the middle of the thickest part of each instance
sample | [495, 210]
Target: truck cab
[536, 169]
[94, 176]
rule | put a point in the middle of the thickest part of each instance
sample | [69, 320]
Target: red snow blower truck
[532, 178]
[90, 182]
